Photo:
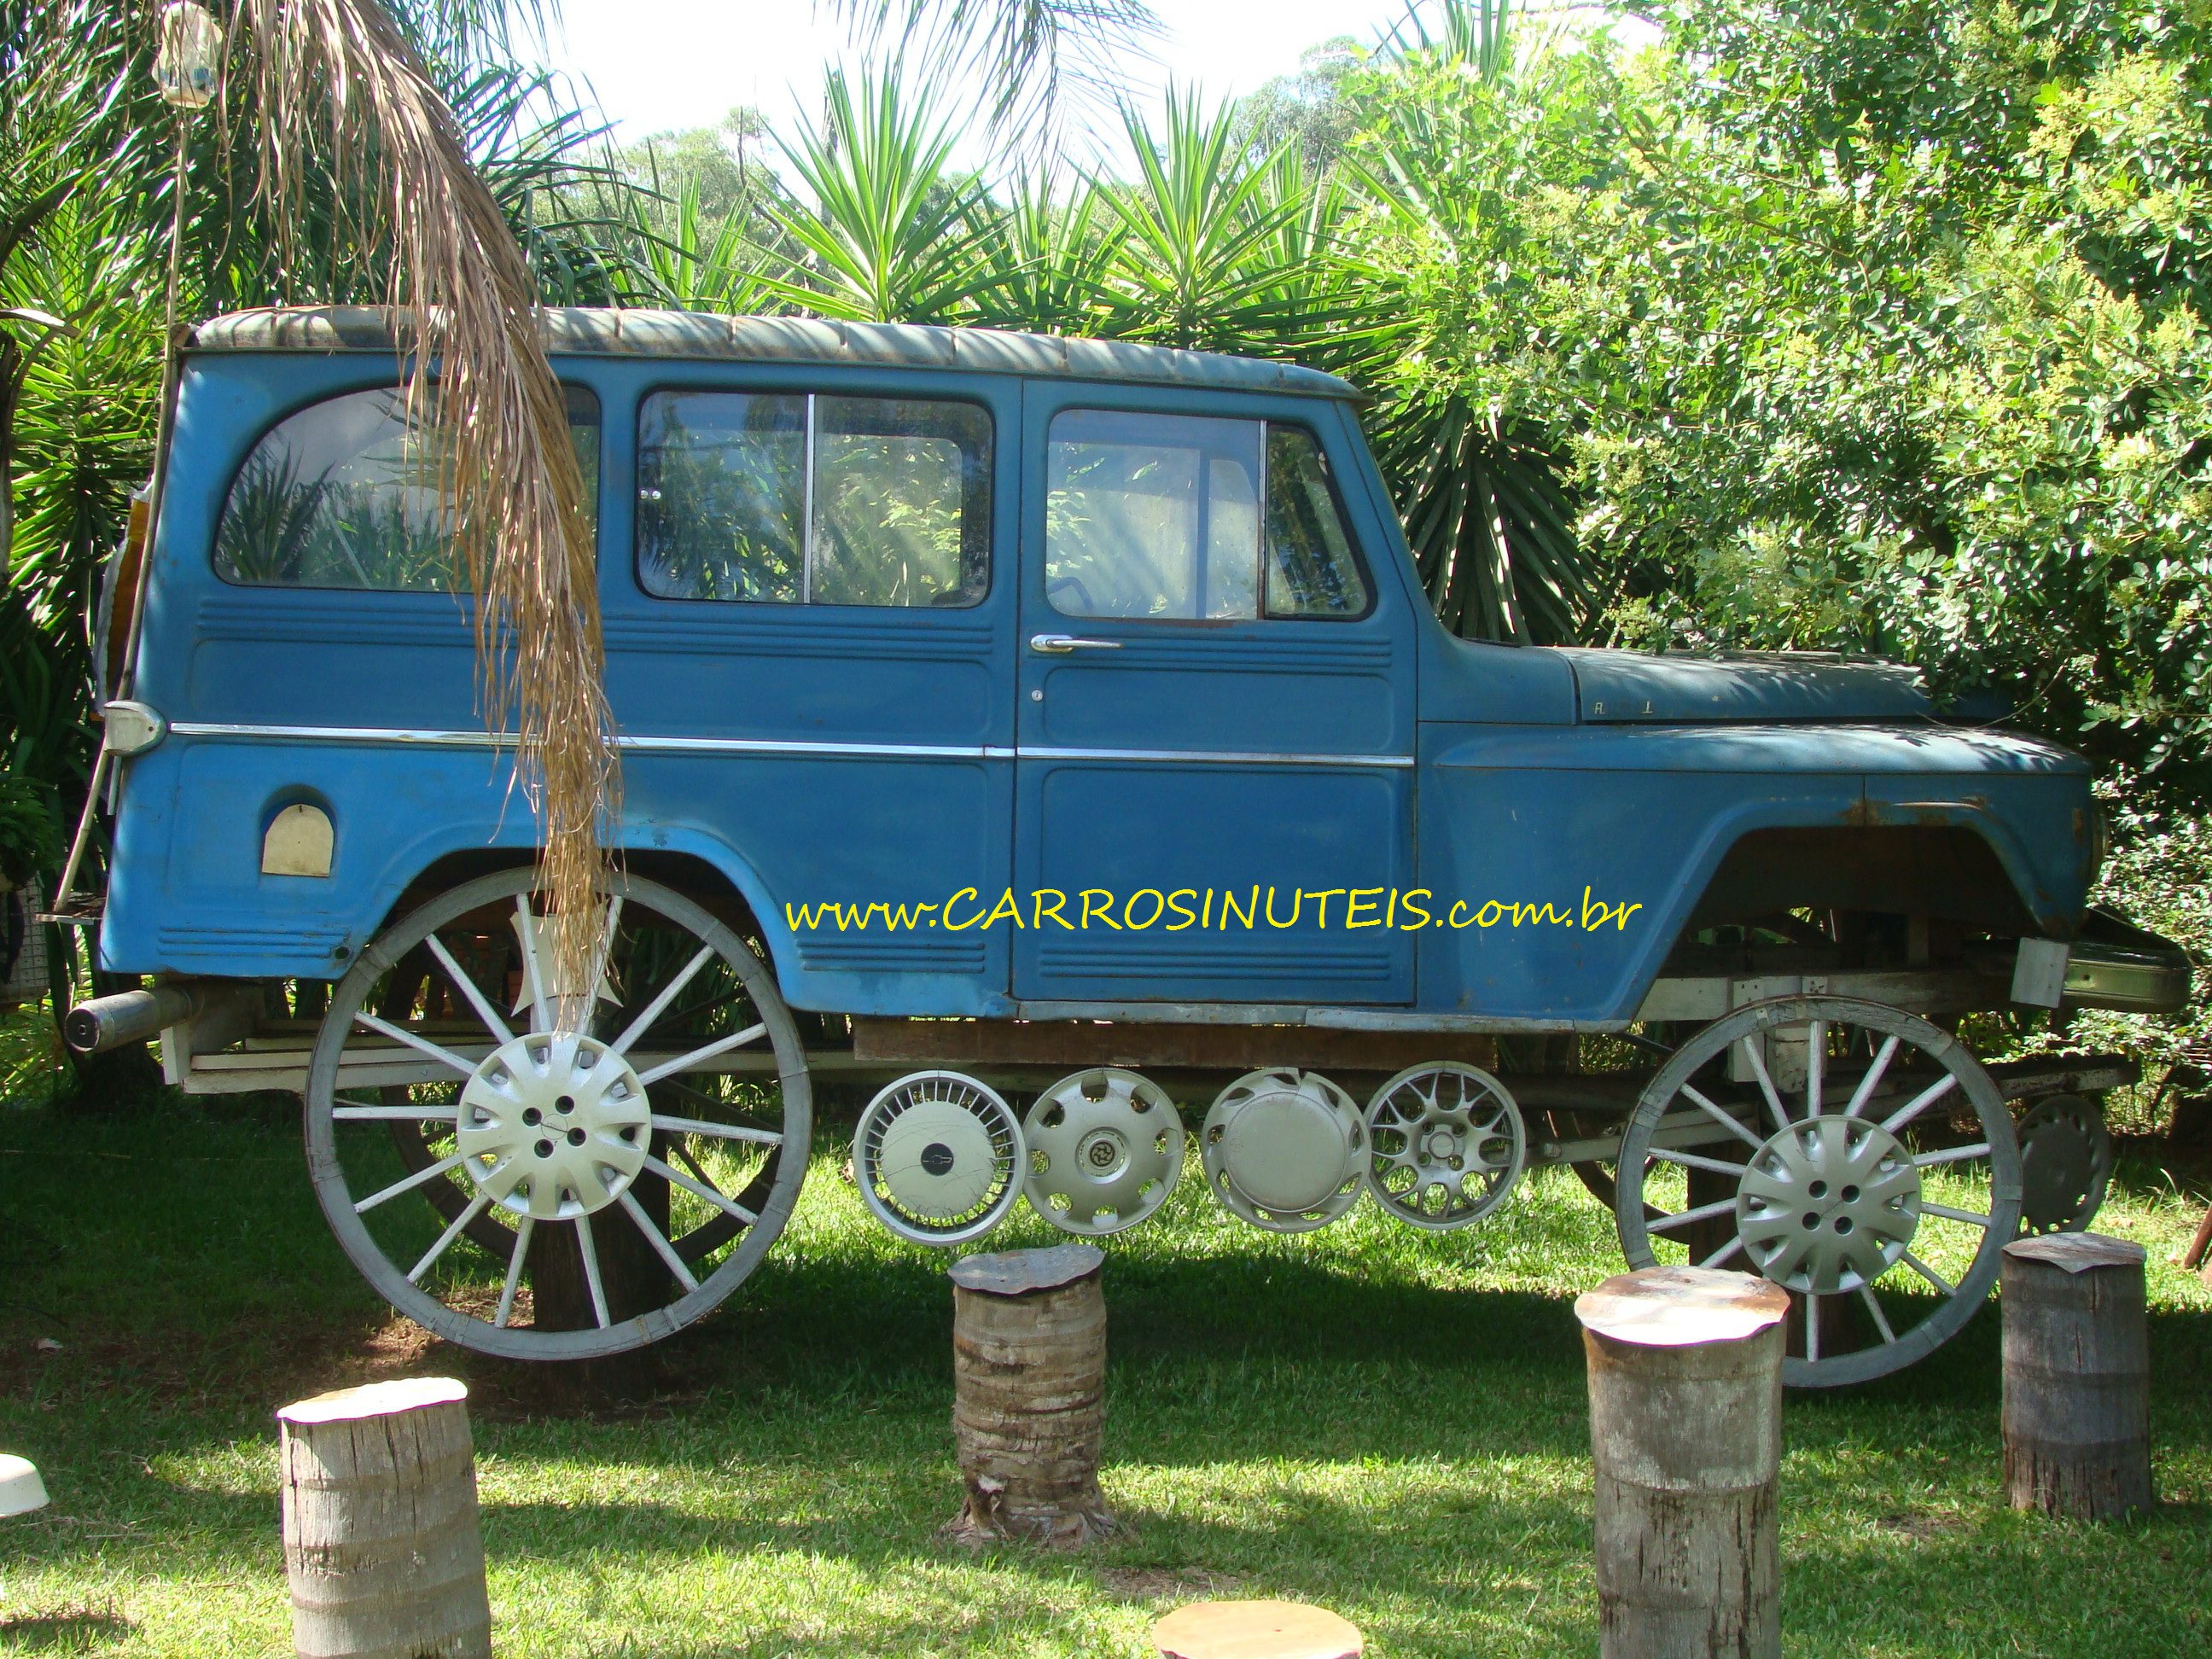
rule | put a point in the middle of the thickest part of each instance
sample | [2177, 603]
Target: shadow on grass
[75, 1630]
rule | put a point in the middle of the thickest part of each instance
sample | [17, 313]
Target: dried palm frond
[340, 78]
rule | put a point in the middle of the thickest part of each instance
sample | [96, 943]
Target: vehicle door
[812, 663]
[1215, 716]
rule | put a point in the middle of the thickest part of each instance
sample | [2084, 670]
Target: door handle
[1056, 645]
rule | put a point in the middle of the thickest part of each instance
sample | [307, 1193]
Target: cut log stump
[2077, 1376]
[1029, 1367]
[381, 1540]
[1686, 1432]
[1255, 1630]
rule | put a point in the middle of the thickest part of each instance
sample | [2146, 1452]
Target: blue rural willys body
[815, 754]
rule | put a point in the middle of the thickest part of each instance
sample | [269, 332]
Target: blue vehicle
[1008, 718]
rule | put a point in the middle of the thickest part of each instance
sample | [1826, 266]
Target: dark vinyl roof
[578, 330]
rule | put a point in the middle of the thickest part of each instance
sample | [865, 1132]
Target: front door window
[1157, 518]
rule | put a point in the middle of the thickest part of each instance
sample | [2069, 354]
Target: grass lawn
[1387, 1422]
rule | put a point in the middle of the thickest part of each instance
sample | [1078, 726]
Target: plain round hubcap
[1828, 1205]
[554, 1127]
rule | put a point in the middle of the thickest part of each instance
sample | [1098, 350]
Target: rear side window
[806, 499]
[1191, 518]
[346, 494]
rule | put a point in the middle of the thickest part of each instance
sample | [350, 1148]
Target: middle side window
[800, 498]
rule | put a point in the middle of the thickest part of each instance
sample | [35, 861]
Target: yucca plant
[1048, 259]
[1189, 268]
[1485, 495]
[893, 234]
[691, 264]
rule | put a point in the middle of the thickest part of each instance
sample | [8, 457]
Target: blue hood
[1627, 686]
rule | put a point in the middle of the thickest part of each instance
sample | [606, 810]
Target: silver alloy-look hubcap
[1447, 1144]
[1828, 1204]
[1105, 1151]
[554, 1126]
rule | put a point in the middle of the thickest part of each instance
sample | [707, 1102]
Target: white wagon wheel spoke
[654, 1010]
[521, 1254]
[701, 1054]
[1728, 1120]
[439, 1052]
[1874, 1308]
[1835, 1205]
[1919, 1102]
[706, 1192]
[395, 1112]
[469, 988]
[1872, 1080]
[421, 1177]
[1726, 1253]
[589, 1249]
[475, 1208]
[659, 1240]
[1750, 1046]
[1696, 1161]
[513, 1127]
[693, 1126]
[1691, 1218]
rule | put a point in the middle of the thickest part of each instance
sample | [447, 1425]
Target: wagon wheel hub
[554, 1126]
[1828, 1204]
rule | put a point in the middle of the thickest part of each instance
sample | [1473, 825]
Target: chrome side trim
[435, 739]
[1214, 757]
[341, 735]
[776, 746]
[422, 738]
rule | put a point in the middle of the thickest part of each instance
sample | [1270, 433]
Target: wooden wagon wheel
[607, 1188]
[413, 982]
[1834, 1188]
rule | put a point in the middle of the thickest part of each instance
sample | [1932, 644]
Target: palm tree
[343, 79]
[376, 149]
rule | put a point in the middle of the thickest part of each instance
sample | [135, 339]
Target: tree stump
[1255, 1630]
[381, 1540]
[1029, 1368]
[1686, 1432]
[2077, 1376]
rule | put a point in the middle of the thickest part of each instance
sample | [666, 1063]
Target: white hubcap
[938, 1160]
[554, 1126]
[1829, 1205]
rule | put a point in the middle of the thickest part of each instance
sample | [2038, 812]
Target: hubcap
[1104, 1154]
[1288, 1149]
[554, 1127]
[1828, 1205]
[938, 1160]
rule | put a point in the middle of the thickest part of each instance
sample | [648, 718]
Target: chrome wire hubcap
[1828, 1204]
[553, 1126]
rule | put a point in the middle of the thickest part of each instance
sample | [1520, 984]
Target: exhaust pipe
[105, 1023]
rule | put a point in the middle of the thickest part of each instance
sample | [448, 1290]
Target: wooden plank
[965, 1043]
[2064, 1074]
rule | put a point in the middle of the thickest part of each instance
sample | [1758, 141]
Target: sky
[657, 65]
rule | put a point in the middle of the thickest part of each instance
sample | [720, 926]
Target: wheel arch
[1954, 871]
[702, 868]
